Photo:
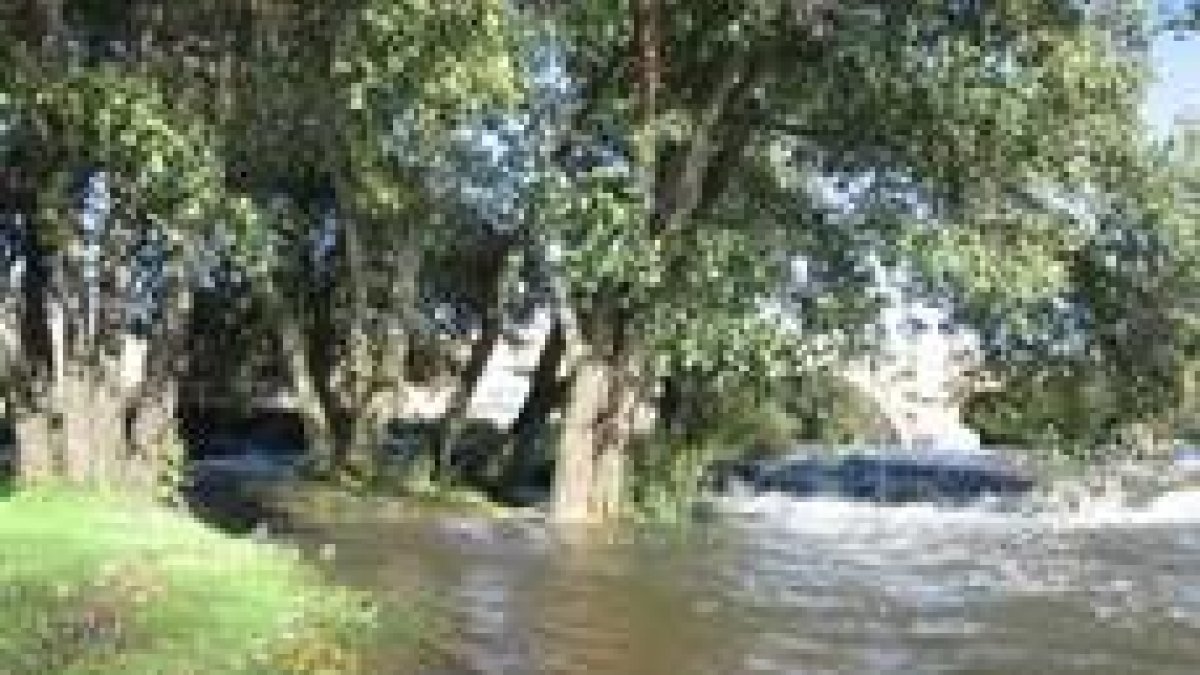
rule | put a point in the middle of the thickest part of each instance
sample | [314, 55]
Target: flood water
[795, 587]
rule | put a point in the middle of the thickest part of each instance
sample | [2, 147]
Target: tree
[944, 123]
[361, 96]
[259, 123]
[1115, 349]
[1187, 280]
[107, 182]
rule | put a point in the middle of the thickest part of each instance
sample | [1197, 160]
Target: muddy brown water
[795, 589]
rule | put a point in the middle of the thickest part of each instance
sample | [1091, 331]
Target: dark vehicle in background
[885, 478]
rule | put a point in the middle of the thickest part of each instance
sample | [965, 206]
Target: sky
[1177, 86]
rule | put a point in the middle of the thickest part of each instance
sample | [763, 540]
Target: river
[801, 587]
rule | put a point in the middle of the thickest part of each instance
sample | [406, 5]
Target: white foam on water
[833, 515]
[1170, 508]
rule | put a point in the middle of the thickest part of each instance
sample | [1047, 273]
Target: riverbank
[240, 500]
[100, 584]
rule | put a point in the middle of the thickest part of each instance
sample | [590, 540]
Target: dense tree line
[646, 171]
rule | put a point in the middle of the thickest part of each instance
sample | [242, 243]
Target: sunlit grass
[102, 584]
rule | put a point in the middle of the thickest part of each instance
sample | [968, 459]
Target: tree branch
[683, 197]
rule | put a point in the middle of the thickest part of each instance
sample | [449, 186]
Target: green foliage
[745, 423]
[1067, 414]
[829, 409]
[442, 57]
[993, 146]
[171, 455]
[1134, 285]
[972, 128]
[666, 474]
[668, 468]
[164, 161]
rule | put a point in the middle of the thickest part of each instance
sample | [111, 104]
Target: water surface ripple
[797, 588]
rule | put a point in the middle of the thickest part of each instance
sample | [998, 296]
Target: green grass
[330, 502]
[99, 584]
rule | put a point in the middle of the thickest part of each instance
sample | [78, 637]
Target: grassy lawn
[99, 584]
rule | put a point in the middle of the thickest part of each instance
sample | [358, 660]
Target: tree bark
[545, 390]
[34, 434]
[29, 402]
[597, 427]
[313, 411]
[375, 385]
[151, 370]
[81, 433]
[454, 418]
[597, 419]
[574, 471]
[345, 395]
[518, 456]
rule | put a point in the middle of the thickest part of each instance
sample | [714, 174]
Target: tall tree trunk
[79, 432]
[545, 395]
[85, 404]
[32, 408]
[454, 418]
[92, 412]
[155, 439]
[344, 403]
[574, 472]
[373, 383]
[34, 436]
[312, 408]
[597, 427]
[151, 370]
[605, 389]
[597, 419]
[359, 382]
[354, 438]
[597, 422]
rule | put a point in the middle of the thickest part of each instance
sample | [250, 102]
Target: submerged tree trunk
[574, 475]
[602, 395]
[597, 426]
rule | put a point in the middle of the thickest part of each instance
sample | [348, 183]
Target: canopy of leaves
[1119, 343]
[953, 133]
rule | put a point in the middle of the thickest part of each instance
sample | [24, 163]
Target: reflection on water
[805, 588]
